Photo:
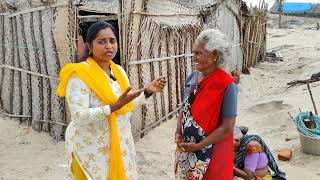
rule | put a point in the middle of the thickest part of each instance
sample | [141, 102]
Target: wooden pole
[314, 105]
[133, 48]
[248, 44]
[280, 3]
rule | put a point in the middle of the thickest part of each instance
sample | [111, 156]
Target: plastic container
[310, 145]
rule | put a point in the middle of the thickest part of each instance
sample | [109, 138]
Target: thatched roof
[25, 4]
[173, 14]
[6, 6]
[90, 5]
[202, 4]
[111, 6]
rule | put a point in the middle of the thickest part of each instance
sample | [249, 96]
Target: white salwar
[88, 135]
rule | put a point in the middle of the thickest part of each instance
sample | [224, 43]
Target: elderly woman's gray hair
[215, 40]
[237, 134]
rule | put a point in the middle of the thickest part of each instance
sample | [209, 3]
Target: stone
[285, 154]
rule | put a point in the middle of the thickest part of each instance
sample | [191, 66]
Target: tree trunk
[280, 21]
[280, 4]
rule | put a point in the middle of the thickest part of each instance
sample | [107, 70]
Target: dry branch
[314, 78]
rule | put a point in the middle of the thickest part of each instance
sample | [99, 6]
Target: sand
[264, 101]
[28, 154]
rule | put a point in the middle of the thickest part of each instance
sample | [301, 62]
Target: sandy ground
[263, 105]
[28, 154]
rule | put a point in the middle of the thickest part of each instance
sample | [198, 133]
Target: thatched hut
[37, 37]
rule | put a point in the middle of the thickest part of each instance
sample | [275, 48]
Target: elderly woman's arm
[243, 174]
[190, 84]
[178, 133]
[217, 135]
[228, 114]
[220, 133]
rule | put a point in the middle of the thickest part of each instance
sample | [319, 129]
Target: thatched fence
[156, 38]
[32, 52]
[254, 44]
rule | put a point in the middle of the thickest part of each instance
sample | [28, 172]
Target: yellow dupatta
[94, 77]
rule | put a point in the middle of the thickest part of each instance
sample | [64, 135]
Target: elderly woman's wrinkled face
[204, 61]
[104, 46]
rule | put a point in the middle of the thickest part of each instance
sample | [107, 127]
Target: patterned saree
[201, 111]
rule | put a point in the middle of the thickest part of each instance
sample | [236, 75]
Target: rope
[311, 133]
[158, 59]
[72, 51]
[33, 120]
[29, 72]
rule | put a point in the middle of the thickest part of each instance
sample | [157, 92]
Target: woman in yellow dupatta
[99, 139]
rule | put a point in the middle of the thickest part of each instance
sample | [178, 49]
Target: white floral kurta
[88, 135]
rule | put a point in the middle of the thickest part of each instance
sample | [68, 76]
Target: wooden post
[248, 43]
[132, 53]
[314, 105]
[280, 4]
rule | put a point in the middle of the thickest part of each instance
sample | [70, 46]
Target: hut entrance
[87, 18]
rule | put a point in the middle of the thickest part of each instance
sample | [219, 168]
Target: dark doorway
[88, 18]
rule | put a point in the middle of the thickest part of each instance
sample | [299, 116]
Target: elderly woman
[255, 161]
[99, 139]
[205, 133]
[253, 158]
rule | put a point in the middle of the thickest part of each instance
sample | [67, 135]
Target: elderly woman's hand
[156, 85]
[190, 147]
[178, 138]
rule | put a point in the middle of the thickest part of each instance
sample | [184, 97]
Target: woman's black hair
[92, 32]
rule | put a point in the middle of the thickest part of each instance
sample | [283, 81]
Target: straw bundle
[24, 64]
[7, 87]
[17, 91]
[2, 51]
[53, 66]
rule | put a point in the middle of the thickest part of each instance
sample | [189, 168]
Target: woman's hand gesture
[125, 98]
[156, 85]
